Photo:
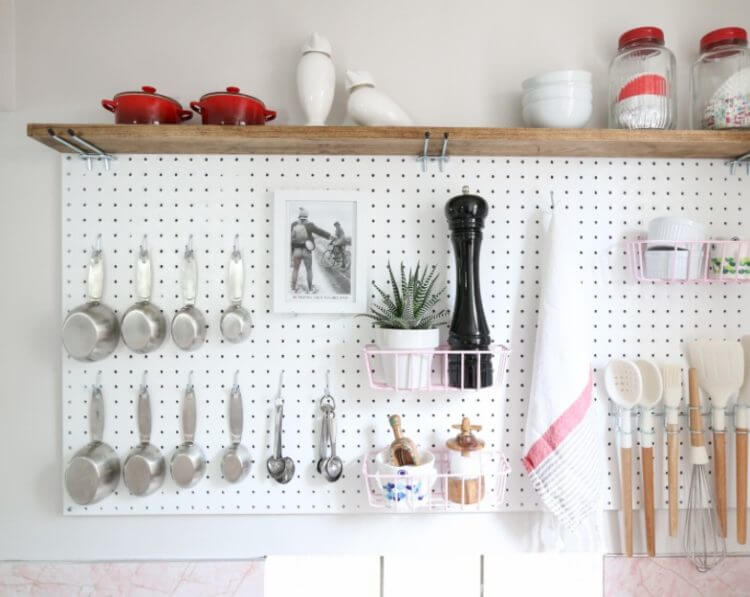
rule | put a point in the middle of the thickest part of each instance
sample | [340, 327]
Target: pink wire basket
[437, 490]
[437, 369]
[690, 262]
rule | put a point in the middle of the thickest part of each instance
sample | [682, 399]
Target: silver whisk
[702, 540]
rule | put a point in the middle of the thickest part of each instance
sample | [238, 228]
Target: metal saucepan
[143, 325]
[188, 462]
[236, 323]
[144, 468]
[189, 324]
[236, 461]
[94, 471]
[91, 331]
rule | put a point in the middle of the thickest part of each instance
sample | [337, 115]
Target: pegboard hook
[96, 249]
[423, 157]
[98, 381]
[328, 381]
[236, 380]
[236, 246]
[745, 158]
[443, 152]
[279, 398]
[190, 381]
[189, 247]
[143, 249]
[144, 386]
[552, 199]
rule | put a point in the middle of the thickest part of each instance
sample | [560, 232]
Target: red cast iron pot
[146, 107]
[232, 107]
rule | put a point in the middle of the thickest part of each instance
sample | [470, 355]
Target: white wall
[448, 63]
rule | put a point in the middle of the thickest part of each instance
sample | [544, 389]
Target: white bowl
[557, 113]
[556, 91]
[406, 487]
[673, 228]
[671, 264]
[557, 76]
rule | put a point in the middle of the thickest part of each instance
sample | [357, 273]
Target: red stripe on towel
[559, 430]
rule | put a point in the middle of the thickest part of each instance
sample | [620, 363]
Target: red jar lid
[642, 34]
[726, 35]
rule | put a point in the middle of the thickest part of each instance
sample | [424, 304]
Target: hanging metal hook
[552, 199]
[328, 381]
[743, 159]
[190, 381]
[144, 386]
[279, 398]
[98, 381]
[236, 384]
[189, 247]
[96, 249]
[443, 157]
[92, 148]
[423, 158]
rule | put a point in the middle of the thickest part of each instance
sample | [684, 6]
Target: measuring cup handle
[189, 415]
[96, 415]
[143, 277]
[236, 278]
[189, 278]
[95, 287]
[324, 435]
[144, 416]
[332, 432]
[235, 415]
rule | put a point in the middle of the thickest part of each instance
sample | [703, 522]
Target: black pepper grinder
[469, 330]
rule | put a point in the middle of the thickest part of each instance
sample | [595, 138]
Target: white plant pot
[316, 80]
[407, 371]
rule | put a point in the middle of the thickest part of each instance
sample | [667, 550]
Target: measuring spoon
[334, 466]
[188, 463]
[143, 326]
[236, 461]
[189, 324]
[94, 471]
[236, 323]
[144, 468]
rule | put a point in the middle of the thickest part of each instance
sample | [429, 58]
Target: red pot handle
[196, 106]
[109, 105]
[270, 115]
[185, 115]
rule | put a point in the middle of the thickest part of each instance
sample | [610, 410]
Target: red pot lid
[646, 84]
[150, 91]
[726, 35]
[642, 34]
[232, 91]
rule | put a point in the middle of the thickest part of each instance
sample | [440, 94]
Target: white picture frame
[337, 264]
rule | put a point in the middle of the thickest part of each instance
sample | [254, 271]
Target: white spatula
[721, 371]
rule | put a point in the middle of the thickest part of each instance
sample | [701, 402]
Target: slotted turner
[721, 371]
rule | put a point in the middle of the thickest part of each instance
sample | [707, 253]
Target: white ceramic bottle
[316, 80]
[369, 106]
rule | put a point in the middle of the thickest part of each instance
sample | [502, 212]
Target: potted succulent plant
[408, 319]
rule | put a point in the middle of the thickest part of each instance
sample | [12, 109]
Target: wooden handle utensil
[647, 463]
[741, 438]
[626, 462]
[403, 450]
[673, 447]
[720, 475]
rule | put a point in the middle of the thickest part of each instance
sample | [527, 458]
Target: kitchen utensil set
[91, 331]
[720, 370]
[94, 471]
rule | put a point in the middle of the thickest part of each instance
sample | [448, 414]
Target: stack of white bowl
[558, 99]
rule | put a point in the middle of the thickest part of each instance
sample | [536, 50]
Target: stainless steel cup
[144, 468]
[188, 462]
[189, 324]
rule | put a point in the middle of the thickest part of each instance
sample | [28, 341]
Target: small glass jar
[642, 82]
[720, 82]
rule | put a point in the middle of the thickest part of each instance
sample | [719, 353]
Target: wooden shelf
[358, 140]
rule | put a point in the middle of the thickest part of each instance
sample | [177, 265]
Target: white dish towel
[561, 453]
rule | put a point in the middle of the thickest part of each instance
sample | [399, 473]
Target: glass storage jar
[642, 82]
[720, 82]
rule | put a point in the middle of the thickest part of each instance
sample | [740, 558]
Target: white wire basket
[438, 490]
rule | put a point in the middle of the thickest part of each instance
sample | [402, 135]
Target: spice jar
[720, 82]
[466, 483]
[642, 82]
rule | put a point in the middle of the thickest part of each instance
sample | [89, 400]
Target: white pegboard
[216, 197]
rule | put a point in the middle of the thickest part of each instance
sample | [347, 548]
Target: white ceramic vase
[407, 371]
[316, 80]
[369, 106]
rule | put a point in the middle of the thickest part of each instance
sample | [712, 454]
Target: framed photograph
[318, 257]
